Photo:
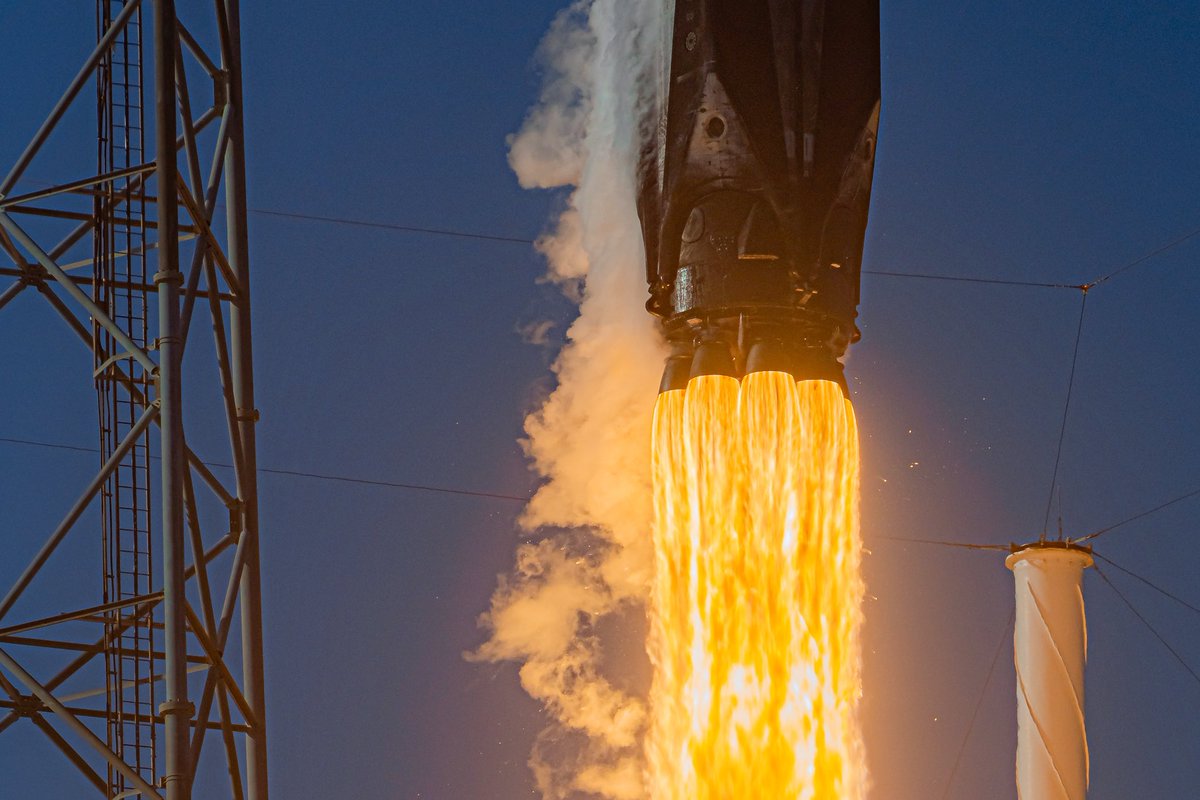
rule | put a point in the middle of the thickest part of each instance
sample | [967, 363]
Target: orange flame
[756, 605]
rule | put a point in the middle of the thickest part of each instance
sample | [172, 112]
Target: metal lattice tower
[177, 597]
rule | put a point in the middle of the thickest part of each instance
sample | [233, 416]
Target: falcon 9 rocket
[755, 185]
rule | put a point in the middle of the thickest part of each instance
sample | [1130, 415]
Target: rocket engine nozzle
[756, 180]
[766, 351]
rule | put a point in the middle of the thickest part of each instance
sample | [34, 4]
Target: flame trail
[751, 574]
[757, 596]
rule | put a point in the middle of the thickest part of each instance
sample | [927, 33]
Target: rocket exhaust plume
[757, 595]
[753, 201]
[743, 133]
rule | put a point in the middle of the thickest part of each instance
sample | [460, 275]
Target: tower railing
[119, 288]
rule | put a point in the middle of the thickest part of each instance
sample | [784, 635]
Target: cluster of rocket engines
[755, 188]
[755, 183]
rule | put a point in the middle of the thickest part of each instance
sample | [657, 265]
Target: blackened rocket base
[755, 183]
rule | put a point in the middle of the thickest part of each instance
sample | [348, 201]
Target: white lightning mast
[1050, 651]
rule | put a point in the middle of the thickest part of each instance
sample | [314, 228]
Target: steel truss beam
[182, 179]
[28, 705]
[73, 722]
[64, 102]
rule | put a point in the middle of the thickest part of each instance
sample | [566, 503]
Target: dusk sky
[1025, 142]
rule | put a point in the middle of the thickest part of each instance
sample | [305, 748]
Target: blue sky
[1035, 142]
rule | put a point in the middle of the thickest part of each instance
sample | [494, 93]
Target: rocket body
[756, 178]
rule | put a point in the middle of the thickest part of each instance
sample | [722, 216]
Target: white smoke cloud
[590, 439]
[537, 333]
[548, 151]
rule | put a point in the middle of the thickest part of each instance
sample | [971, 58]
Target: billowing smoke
[591, 552]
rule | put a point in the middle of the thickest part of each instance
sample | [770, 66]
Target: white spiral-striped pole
[1050, 650]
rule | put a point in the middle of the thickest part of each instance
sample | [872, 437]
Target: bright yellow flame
[757, 598]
